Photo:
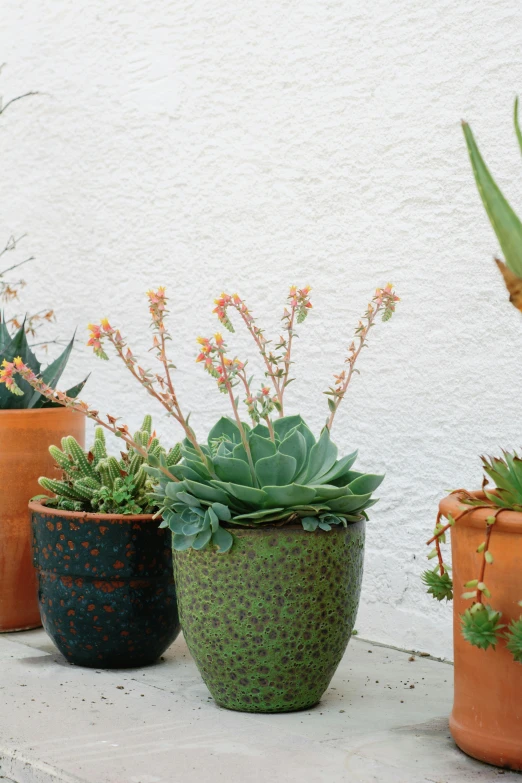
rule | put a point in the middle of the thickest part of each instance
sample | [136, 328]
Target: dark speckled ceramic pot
[105, 586]
[268, 622]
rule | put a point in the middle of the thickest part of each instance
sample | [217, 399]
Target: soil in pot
[105, 586]
[25, 437]
[268, 622]
[486, 721]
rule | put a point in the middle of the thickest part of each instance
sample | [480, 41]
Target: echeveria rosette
[295, 478]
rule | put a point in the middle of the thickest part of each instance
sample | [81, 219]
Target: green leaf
[290, 495]
[322, 458]
[234, 470]
[202, 539]
[261, 430]
[53, 372]
[239, 452]
[261, 447]
[227, 428]
[5, 337]
[221, 511]
[206, 492]
[505, 222]
[367, 483]
[517, 126]
[276, 471]
[330, 492]
[349, 503]
[284, 425]
[310, 523]
[222, 539]
[295, 446]
[181, 543]
[262, 514]
[340, 471]
[250, 495]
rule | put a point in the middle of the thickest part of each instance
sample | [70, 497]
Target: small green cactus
[93, 481]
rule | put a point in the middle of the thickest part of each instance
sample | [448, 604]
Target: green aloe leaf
[276, 471]
[517, 126]
[234, 470]
[290, 495]
[53, 372]
[505, 222]
[5, 337]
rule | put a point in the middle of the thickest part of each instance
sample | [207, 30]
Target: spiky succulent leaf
[514, 639]
[504, 220]
[439, 586]
[481, 626]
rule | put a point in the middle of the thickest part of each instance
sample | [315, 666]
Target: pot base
[22, 628]
[495, 750]
[275, 711]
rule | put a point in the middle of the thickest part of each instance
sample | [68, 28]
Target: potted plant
[268, 523]
[106, 588]
[486, 544]
[29, 424]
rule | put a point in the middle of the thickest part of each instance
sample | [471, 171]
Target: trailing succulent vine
[269, 470]
[94, 481]
[481, 625]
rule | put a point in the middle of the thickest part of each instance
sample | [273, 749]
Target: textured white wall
[218, 144]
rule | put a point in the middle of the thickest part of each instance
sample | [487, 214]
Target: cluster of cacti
[95, 481]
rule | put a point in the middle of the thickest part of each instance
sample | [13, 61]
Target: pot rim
[37, 506]
[508, 521]
[34, 411]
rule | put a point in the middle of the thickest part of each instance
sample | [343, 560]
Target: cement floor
[383, 720]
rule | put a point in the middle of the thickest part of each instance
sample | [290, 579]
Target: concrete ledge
[383, 720]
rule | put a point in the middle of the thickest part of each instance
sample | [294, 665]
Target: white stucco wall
[220, 144]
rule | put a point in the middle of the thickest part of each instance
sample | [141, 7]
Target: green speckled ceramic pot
[268, 622]
[105, 586]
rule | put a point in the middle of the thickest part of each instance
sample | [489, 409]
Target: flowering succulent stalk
[272, 471]
[383, 302]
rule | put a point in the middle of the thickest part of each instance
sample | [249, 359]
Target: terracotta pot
[25, 437]
[486, 721]
[268, 622]
[105, 586]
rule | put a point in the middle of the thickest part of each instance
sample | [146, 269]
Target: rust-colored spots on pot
[118, 564]
[103, 529]
[70, 544]
[78, 582]
[71, 613]
[50, 526]
[95, 552]
[124, 633]
[59, 547]
[62, 537]
[91, 607]
[59, 526]
[85, 544]
[108, 608]
[73, 526]
[67, 581]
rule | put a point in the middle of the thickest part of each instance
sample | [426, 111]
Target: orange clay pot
[486, 721]
[25, 437]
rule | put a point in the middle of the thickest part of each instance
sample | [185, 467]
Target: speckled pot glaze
[268, 622]
[105, 586]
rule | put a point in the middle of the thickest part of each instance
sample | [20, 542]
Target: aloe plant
[24, 395]
[504, 220]
[292, 478]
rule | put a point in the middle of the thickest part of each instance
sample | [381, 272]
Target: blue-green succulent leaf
[222, 539]
[289, 495]
[366, 483]
[261, 447]
[234, 470]
[277, 470]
